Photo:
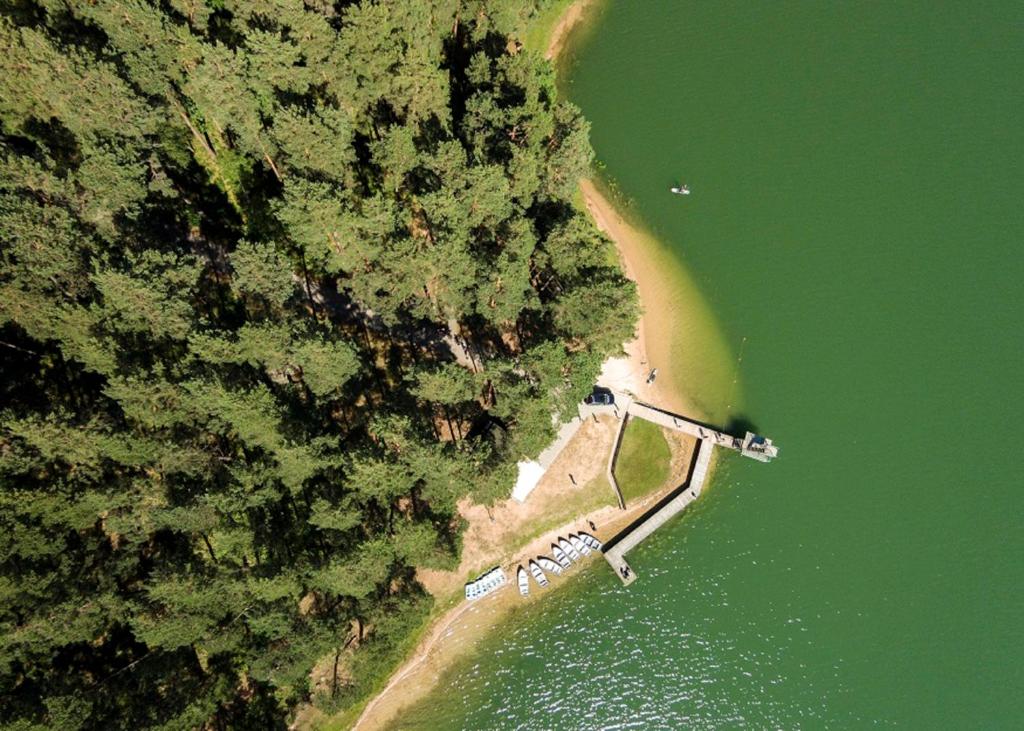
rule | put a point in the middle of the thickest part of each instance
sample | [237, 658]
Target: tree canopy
[280, 281]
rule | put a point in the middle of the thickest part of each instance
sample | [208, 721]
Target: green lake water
[857, 228]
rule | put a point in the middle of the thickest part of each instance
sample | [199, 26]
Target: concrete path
[678, 423]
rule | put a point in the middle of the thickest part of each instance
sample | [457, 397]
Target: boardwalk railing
[616, 445]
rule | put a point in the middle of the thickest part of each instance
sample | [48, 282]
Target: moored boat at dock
[590, 541]
[579, 545]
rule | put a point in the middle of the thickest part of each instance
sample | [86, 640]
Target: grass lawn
[644, 460]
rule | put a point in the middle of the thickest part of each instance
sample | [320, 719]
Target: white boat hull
[569, 550]
[492, 580]
[548, 565]
[579, 545]
[560, 556]
[538, 575]
[591, 541]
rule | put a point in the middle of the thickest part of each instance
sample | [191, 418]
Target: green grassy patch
[644, 460]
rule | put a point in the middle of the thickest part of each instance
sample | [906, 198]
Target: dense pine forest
[281, 281]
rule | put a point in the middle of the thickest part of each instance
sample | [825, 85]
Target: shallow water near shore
[855, 225]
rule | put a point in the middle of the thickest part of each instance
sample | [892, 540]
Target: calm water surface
[856, 225]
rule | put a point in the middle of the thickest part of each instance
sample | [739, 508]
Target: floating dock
[752, 445]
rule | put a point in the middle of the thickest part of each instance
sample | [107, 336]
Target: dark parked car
[600, 397]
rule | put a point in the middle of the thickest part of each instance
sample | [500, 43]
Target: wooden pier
[752, 445]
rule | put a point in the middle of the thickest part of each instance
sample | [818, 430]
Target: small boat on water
[652, 375]
[560, 556]
[681, 190]
[591, 541]
[524, 581]
[569, 550]
[579, 545]
[538, 574]
[548, 565]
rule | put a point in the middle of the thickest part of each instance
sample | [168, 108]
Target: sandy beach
[495, 536]
[652, 347]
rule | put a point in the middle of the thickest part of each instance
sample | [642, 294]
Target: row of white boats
[565, 551]
[493, 579]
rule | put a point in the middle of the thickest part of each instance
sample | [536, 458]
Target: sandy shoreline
[569, 20]
[457, 631]
[652, 346]
[454, 633]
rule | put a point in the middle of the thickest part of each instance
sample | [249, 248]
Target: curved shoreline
[569, 21]
[474, 620]
[654, 344]
[650, 348]
[677, 331]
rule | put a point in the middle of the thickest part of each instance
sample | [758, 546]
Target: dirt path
[571, 490]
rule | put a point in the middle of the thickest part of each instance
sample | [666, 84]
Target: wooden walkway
[675, 502]
[682, 424]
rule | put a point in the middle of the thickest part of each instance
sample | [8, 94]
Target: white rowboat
[579, 545]
[568, 548]
[591, 541]
[560, 556]
[487, 583]
[538, 574]
[548, 565]
[524, 581]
